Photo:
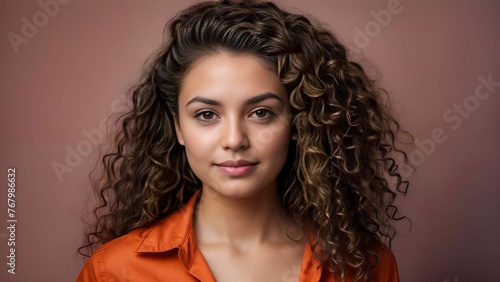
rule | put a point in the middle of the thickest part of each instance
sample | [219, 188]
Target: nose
[235, 136]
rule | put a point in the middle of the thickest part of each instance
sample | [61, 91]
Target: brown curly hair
[340, 180]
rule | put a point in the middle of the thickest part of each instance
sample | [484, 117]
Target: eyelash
[269, 114]
[199, 115]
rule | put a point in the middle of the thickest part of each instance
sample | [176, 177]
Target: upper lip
[236, 163]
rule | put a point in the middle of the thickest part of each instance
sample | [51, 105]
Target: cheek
[273, 136]
[194, 143]
[273, 140]
[197, 156]
[194, 136]
[198, 144]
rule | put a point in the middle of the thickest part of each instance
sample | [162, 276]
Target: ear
[178, 131]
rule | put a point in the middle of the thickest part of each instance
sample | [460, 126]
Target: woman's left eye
[262, 114]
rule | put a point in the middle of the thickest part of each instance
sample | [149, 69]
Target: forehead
[230, 75]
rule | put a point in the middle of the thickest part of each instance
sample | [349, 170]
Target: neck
[240, 222]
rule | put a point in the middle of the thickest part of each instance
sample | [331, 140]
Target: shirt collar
[311, 267]
[176, 232]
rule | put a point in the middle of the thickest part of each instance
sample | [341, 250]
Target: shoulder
[144, 253]
[386, 268]
[147, 253]
[112, 259]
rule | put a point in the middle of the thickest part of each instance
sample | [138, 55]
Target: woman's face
[234, 121]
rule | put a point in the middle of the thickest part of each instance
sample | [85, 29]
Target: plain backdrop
[66, 68]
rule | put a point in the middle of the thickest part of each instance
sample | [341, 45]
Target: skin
[234, 121]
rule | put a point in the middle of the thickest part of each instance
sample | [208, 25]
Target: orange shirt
[167, 251]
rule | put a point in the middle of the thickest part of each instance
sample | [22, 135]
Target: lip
[236, 167]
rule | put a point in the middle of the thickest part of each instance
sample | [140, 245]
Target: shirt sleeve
[92, 270]
[387, 268]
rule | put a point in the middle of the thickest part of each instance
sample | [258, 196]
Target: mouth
[236, 167]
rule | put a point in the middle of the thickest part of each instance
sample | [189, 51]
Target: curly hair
[340, 180]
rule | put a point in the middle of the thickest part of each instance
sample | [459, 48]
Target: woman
[256, 150]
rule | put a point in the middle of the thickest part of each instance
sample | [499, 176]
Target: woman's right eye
[206, 116]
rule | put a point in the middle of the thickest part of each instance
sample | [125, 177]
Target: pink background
[75, 68]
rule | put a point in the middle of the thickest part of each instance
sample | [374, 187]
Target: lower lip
[236, 170]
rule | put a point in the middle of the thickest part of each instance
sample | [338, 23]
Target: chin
[236, 191]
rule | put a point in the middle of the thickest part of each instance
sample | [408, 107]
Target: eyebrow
[251, 101]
